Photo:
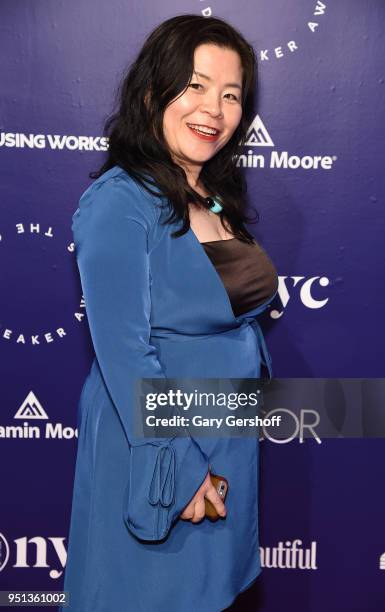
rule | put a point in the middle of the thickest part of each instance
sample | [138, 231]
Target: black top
[248, 274]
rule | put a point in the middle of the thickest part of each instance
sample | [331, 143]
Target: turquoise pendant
[216, 207]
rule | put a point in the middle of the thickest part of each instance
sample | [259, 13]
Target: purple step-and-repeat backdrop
[314, 162]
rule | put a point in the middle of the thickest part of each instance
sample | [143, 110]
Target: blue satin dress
[157, 307]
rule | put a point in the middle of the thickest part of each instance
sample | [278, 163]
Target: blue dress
[157, 308]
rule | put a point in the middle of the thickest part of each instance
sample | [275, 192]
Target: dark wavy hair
[161, 72]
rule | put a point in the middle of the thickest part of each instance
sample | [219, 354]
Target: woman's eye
[234, 97]
[195, 85]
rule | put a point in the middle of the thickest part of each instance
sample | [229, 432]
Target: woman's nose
[212, 103]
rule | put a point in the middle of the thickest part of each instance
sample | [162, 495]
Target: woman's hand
[195, 510]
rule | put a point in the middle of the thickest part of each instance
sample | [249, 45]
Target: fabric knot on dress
[266, 357]
[162, 485]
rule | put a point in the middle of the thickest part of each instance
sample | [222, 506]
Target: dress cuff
[163, 478]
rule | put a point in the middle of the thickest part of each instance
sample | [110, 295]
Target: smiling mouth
[203, 129]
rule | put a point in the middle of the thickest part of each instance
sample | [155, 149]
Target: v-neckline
[216, 275]
[254, 311]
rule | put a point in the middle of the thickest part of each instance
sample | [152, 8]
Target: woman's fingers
[199, 510]
[188, 512]
[213, 496]
[195, 510]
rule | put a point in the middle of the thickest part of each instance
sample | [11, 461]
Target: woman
[172, 285]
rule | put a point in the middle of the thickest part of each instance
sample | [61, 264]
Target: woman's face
[213, 100]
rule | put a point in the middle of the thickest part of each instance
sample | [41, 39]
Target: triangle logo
[31, 408]
[257, 135]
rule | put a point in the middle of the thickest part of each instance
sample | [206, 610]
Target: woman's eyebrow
[204, 76]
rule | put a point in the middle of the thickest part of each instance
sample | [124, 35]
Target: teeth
[201, 128]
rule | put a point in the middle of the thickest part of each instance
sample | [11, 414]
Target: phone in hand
[221, 485]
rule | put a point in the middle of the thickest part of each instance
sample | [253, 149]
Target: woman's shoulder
[116, 194]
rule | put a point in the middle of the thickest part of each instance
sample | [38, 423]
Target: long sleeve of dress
[111, 231]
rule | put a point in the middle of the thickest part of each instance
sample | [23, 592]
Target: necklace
[214, 205]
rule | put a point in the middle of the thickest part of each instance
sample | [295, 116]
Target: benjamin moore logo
[31, 409]
[258, 136]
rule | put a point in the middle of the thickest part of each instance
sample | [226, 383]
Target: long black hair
[161, 72]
